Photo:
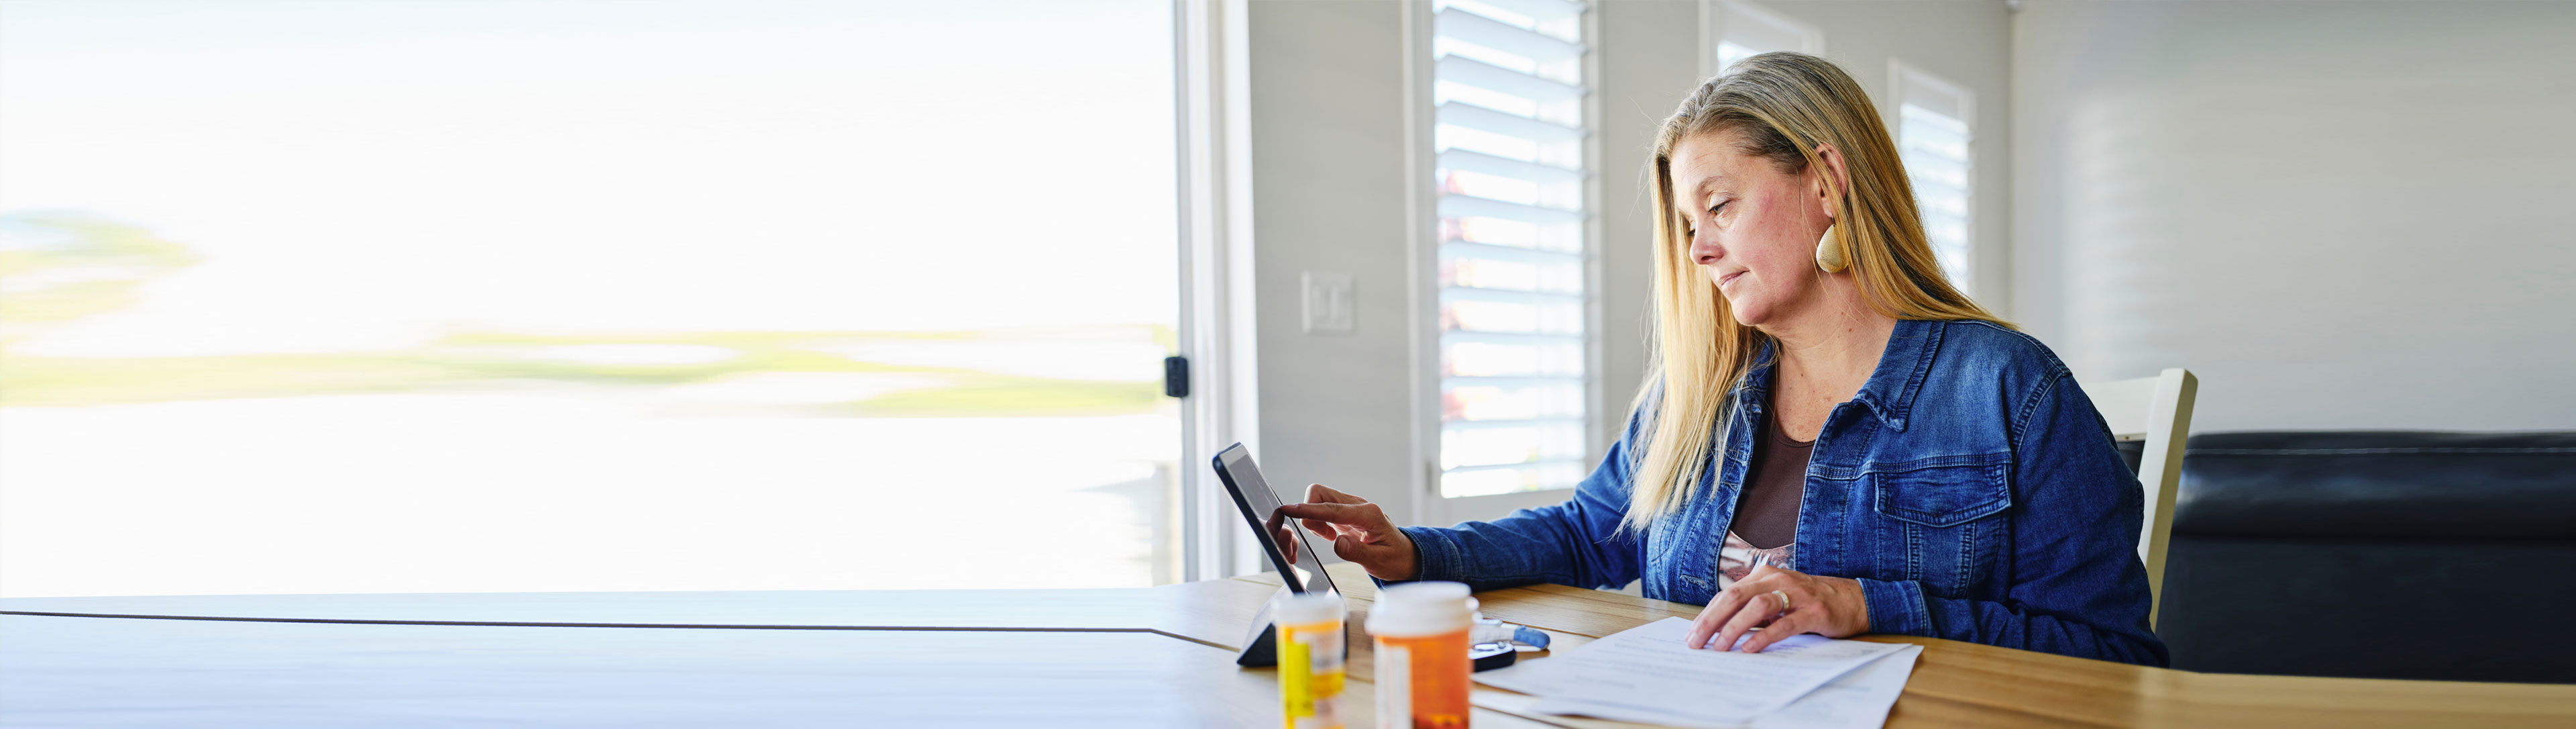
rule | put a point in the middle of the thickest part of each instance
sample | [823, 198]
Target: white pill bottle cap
[1421, 608]
[1309, 608]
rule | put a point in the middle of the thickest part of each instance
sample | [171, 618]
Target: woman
[1837, 441]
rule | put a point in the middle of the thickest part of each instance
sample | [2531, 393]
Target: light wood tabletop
[1135, 657]
[1957, 684]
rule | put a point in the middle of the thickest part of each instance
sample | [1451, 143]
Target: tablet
[1260, 507]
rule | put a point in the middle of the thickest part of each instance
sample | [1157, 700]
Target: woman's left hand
[1827, 606]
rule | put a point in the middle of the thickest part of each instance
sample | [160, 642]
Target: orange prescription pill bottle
[1422, 663]
[1310, 660]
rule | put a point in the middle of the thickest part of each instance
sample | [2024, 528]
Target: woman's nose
[1704, 249]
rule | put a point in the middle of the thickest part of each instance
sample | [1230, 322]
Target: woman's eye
[1719, 208]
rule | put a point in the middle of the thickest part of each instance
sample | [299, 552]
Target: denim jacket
[1970, 488]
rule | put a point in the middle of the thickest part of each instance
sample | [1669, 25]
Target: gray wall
[1329, 184]
[1650, 59]
[2339, 215]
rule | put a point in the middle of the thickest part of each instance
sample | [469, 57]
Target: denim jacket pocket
[1943, 512]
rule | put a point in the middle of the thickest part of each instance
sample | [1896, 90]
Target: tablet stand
[1261, 645]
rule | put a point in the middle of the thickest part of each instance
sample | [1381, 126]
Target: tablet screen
[1260, 508]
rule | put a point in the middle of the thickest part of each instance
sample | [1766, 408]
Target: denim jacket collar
[1889, 394]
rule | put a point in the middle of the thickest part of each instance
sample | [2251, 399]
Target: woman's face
[1750, 226]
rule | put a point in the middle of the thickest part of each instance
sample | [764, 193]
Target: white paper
[1644, 674]
[1616, 712]
[1522, 676]
[1859, 699]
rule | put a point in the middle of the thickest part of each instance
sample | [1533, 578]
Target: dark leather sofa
[2381, 554]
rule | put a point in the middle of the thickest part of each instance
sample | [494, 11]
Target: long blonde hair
[1783, 107]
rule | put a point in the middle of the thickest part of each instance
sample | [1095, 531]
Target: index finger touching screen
[1297, 560]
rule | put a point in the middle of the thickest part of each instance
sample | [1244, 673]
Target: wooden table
[1138, 657]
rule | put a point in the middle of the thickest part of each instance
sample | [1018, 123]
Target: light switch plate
[1328, 303]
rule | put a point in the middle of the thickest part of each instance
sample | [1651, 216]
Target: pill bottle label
[1394, 686]
[1310, 675]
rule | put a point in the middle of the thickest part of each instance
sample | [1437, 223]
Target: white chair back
[2156, 410]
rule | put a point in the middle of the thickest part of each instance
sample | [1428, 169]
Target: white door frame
[1213, 131]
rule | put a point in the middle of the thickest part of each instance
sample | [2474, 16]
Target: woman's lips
[1730, 278]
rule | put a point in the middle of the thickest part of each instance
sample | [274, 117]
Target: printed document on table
[1858, 700]
[1645, 670]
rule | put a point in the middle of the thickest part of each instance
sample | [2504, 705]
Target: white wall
[2339, 215]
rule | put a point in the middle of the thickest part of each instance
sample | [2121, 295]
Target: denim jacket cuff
[1896, 607]
[1435, 555]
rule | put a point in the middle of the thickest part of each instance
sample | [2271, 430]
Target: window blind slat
[1512, 340]
[1490, 252]
[1522, 477]
[1496, 424]
[1501, 36]
[1953, 178]
[1482, 119]
[1514, 466]
[1933, 121]
[1546, 12]
[1479, 162]
[1454, 382]
[1507, 296]
[1470, 206]
[1489, 76]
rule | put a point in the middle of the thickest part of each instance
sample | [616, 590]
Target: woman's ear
[1834, 182]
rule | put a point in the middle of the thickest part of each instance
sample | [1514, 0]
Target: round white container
[1421, 608]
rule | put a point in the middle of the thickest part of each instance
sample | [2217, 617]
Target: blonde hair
[1783, 106]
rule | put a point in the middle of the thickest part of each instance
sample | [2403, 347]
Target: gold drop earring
[1829, 252]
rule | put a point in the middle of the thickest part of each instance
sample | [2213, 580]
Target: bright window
[1509, 129]
[391, 296]
[1935, 136]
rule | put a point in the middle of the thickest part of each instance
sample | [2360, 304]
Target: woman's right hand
[1359, 530]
